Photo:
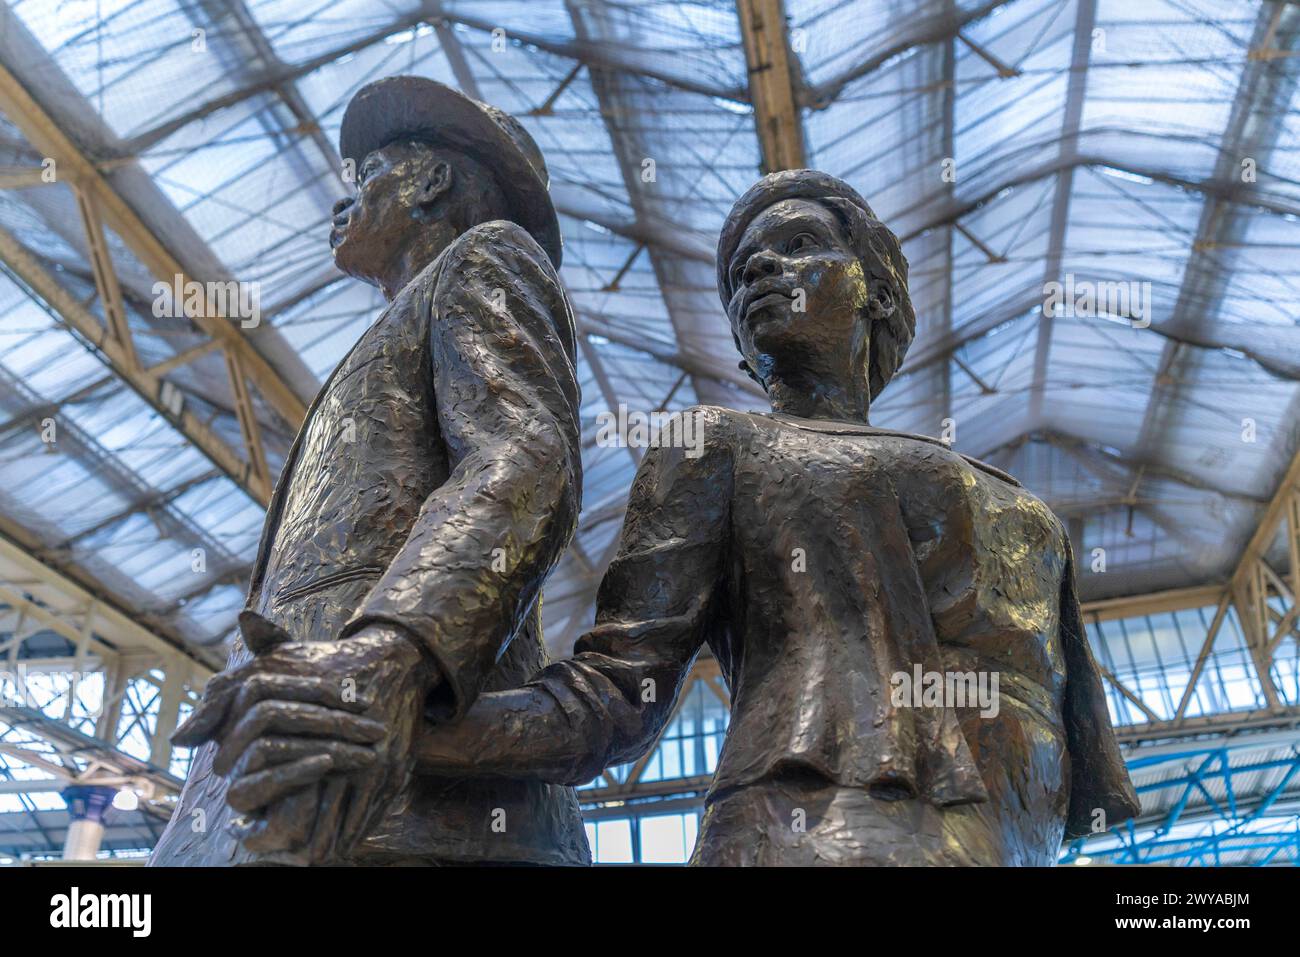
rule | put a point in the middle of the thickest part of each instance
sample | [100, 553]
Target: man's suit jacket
[433, 485]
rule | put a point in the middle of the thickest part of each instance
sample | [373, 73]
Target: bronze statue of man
[830, 564]
[432, 487]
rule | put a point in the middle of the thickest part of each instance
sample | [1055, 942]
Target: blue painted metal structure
[1218, 804]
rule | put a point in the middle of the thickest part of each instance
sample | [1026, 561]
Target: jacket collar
[837, 427]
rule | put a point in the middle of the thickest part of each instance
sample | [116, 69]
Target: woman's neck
[820, 400]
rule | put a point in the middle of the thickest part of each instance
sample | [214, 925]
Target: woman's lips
[767, 299]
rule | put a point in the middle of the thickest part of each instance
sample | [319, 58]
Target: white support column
[111, 710]
[173, 693]
[87, 805]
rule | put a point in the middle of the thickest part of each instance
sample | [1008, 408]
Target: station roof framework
[1146, 147]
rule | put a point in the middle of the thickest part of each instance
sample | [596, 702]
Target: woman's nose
[761, 264]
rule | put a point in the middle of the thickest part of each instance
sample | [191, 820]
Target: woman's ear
[882, 302]
[743, 365]
[436, 182]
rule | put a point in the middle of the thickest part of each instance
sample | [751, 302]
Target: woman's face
[800, 289]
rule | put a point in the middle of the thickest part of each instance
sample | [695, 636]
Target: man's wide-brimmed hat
[417, 108]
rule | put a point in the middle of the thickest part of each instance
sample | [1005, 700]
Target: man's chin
[344, 258]
[345, 265]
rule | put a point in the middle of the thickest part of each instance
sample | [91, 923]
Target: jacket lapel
[272, 523]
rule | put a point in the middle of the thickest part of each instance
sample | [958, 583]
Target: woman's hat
[768, 191]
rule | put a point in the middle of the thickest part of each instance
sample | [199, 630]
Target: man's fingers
[256, 785]
[234, 693]
[268, 685]
[283, 829]
[198, 727]
[293, 718]
[363, 809]
[358, 810]
[295, 815]
[269, 751]
[333, 805]
[260, 837]
[205, 719]
[254, 791]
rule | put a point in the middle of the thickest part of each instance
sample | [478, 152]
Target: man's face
[372, 233]
[799, 287]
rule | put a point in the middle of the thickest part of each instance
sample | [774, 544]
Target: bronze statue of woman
[829, 565]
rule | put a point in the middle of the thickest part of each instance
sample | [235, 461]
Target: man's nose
[762, 264]
[341, 210]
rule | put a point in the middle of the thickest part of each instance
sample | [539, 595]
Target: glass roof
[1008, 144]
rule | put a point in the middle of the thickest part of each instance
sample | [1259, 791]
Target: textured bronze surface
[432, 487]
[819, 558]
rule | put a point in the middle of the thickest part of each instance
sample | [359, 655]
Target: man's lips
[339, 225]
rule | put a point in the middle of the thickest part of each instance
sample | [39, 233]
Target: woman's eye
[801, 242]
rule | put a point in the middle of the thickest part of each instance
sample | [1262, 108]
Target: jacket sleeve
[1098, 778]
[607, 704]
[501, 347]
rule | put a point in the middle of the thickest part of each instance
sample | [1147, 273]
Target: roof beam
[588, 20]
[1069, 443]
[59, 123]
[70, 609]
[1085, 19]
[47, 138]
[646, 230]
[149, 385]
[288, 90]
[1227, 192]
[106, 284]
[692, 364]
[593, 55]
[948, 148]
[606, 389]
[21, 545]
[772, 83]
[93, 759]
[1154, 603]
[941, 347]
[1255, 586]
[576, 201]
[145, 504]
[23, 177]
[1249, 133]
[267, 82]
[914, 33]
[1252, 131]
[87, 450]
